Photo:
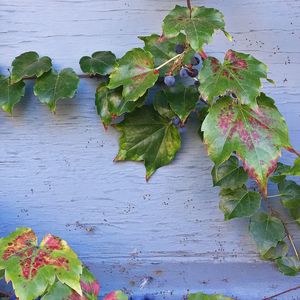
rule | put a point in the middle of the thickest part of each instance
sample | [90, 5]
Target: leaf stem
[203, 54]
[274, 196]
[282, 293]
[167, 62]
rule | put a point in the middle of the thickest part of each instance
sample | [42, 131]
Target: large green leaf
[230, 174]
[162, 106]
[266, 231]
[29, 64]
[101, 62]
[162, 48]
[32, 268]
[89, 285]
[240, 73]
[289, 193]
[116, 295]
[280, 173]
[199, 25]
[288, 265]
[10, 94]
[279, 251]
[256, 135]
[147, 136]
[53, 86]
[135, 72]
[239, 203]
[110, 103]
[202, 296]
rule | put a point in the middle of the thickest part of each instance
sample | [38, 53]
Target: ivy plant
[151, 92]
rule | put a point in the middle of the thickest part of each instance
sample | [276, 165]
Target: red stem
[189, 5]
[284, 292]
[203, 54]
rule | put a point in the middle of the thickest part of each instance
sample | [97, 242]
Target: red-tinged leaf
[256, 135]
[116, 295]
[240, 73]
[32, 268]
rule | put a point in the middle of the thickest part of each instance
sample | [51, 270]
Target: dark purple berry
[169, 80]
[179, 49]
[176, 121]
[184, 73]
[195, 61]
[193, 73]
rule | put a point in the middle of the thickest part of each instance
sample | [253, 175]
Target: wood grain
[57, 173]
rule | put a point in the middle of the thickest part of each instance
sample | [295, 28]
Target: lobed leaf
[162, 106]
[289, 193]
[256, 135]
[147, 136]
[202, 296]
[135, 72]
[29, 64]
[101, 62]
[32, 268]
[53, 86]
[288, 265]
[10, 94]
[240, 74]
[239, 203]
[199, 25]
[116, 295]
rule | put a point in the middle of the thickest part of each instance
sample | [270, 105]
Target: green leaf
[101, 62]
[256, 135]
[240, 73]
[161, 105]
[2, 272]
[239, 203]
[289, 193]
[229, 175]
[199, 26]
[29, 64]
[266, 231]
[147, 136]
[53, 86]
[295, 170]
[10, 94]
[279, 174]
[202, 114]
[116, 295]
[202, 296]
[32, 268]
[89, 285]
[288, 265]
[135, 72]
[295, 213]
[110, 103]
[279, 251]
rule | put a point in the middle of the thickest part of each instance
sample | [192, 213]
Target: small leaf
[279, 174]
[32, 269]
[199, 26]
[101, 62]
[110, 103]
[147, 136]
[295, 170]
[116, 295]
[279, 251]
[239, 203]
[10, 94]
[89, 285]
[53, 86]
[266, 231]
[288, 265]
[202, 114]
[202, 296]
[256, 135]
[29, 64]
[229, 175]
[135, 72]
[289, 193]
[240, 73]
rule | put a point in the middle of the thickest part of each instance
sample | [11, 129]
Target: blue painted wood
[57, 173]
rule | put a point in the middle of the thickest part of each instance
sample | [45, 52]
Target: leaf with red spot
[135, 72]
[256, 135]
[240, 74]
[116, 295]
[32, 268]
[89, 285]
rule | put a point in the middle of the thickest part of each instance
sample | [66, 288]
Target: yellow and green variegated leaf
[116, 295]
[288, 265]
[10, 93]
[149, 137]
[101, 62]
[238, 203]
[29, 64]
[135, 72]
[256, 135]
[32, 268]
[266, 231]
[240, 73]
[53, 86]
[89, 285]
[199, 25]
[202, 296]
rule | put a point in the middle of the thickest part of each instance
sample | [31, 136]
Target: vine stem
[189, 5]
[282, 293]
[275, 196]
[168, 61]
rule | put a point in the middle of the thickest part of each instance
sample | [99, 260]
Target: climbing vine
[150, 93]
